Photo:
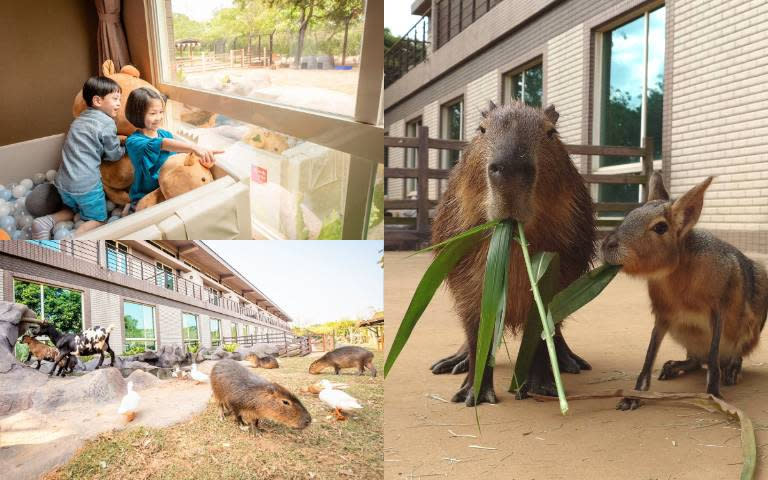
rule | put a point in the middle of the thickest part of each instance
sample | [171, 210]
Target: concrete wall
[106, 311]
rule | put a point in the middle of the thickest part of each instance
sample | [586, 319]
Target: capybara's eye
[551, 132]
[286, 402]
[481, 128]
[660, 228]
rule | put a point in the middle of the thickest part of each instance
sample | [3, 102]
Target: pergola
[376, 325]
[187, 42]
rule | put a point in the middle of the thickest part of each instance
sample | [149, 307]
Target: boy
[92, 137]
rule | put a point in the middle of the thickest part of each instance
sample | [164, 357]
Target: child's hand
[122, 139]
[207, 156]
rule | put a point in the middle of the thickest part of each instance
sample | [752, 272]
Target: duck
[337, 400]
[319, 386]
[198, 376]
[177, 373]
[129, 404]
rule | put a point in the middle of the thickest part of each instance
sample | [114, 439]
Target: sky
[198, 9]
[397, 16]
[312, 281]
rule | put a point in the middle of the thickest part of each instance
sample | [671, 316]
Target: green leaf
[532, 334]
[494, 297]
[581, 291]
[471, 232]
[447, 258]
[540, 263]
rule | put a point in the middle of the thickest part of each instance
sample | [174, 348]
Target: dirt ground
[532, 440]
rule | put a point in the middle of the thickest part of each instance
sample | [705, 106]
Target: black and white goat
[89, 342]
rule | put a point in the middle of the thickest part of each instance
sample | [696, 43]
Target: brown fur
[554, 204]
[262, 362]
[345, 357]
[692, 276]
[252, 398]
[39, 350]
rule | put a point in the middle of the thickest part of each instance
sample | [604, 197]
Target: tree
[307, 11]
[344, 12]
[61, 306]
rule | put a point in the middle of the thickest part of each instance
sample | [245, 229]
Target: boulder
[171, 355]
[220, 353]
[103, 385]
[236, 356]
[148, 356]
[259, 349]
[142, 380]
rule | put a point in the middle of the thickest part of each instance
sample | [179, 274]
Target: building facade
[150, 293]
[685, 72]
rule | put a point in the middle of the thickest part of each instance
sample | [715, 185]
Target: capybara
[516, 167]
[345, 357]
[267, 361]
[704, 292]
[252, 398]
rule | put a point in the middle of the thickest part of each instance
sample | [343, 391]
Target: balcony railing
[410, 50]
[133, 266]
[453, 16]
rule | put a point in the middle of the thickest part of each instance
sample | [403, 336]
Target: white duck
[176, 373]
[129, 404]
[198, 376]
[337, 400]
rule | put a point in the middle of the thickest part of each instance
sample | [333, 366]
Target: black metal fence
[407, 52]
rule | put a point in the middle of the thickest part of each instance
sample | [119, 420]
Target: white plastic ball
[20, 235]
[8, 223]
[50, 175]
[62, 234]
[5, 210]
[38, 178]
[19, 191]
[67, 225]
[117, 212]
[5, 194]
[24, 221]
[27, 182]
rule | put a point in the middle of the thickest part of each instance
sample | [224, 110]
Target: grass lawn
[206, 448]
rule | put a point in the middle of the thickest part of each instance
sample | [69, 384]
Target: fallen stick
[701, 400]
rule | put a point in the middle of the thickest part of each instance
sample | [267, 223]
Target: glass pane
[618, 193]
[256, 49]
[533, 87]
[376, 219]
[655, 81]
[51, 244]
[452, 126]
[189, 327]
[63, 307]
[517, 87]
[298, 188]
[116, 261]
[139, 321]
[27, 293]
[623, 89]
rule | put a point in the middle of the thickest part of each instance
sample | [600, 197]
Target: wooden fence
[396, 238]
[289, 345]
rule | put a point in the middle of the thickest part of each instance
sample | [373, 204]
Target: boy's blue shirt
[147, 156]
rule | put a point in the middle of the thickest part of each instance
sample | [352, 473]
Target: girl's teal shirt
[147, 156]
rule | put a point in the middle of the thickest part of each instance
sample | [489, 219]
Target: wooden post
[647, 165]
[422, 213]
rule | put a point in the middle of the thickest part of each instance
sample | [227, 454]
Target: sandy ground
[533, 440]
[33, 442]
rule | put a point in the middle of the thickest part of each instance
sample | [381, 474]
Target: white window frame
[360, 136]
[197, 323]
[598, 97]
[154, 324]
[411, 154]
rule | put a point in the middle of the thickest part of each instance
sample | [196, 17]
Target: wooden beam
[616, 206]
[392, 172]
[188, 249]
[405, 204]
[618, 178]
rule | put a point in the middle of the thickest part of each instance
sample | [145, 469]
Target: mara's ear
[687, 209]
[551, 114]
[190, 160]
[656, 189]
[491, 106]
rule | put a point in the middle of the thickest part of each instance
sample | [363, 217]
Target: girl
[150, 146]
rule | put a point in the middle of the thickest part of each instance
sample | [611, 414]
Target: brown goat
[516, 167]
[704, 292]
[39, 350]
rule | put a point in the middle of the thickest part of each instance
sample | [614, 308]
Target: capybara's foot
[457, 363]
[467, 395]
[629, 404]
[568, 361]
[676, 368]
[732, 372]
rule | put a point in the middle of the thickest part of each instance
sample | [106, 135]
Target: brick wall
[106, 311]
[205, 330]
[430, 117]
[396, 186]
[169, 324]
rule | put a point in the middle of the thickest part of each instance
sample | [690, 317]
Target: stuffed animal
[268, 140]
[179, 174]
[43, 200]
[117, 176]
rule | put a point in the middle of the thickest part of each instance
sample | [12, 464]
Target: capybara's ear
[656, 189]
[108, 67]
[130, 70]
[491, 106]
[687, 209]
[551, 114]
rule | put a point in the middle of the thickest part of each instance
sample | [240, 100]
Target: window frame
[411, 154]
[598, 35]
[506, 80]
[163, 272]
[15, 278]
[211, 322]
[187, 341]
[358, 136]
[120, 250]
[155, 325]
[444, 155]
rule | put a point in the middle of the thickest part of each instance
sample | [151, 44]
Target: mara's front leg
[644, 379]
[713, 360]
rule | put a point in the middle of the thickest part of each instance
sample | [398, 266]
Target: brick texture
[169, 324]
[106, 312]
[396, 186]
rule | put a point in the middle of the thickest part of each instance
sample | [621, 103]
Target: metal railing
[453, 16]
[410, 50]
[125, 263]
[288, 343]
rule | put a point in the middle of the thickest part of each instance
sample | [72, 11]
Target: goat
[89, 342]
[41, 352]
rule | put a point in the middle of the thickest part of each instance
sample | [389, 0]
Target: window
[50, 244]
[524, 85]
[214, 296]
[61, 306]
[411, 155]
[215, 326]
[245, 330]
[246, 63]
[164, 276]
[452, 128]
[233, 332]
[632, 94]
[117, 256]
[139, 321]
[190, 334]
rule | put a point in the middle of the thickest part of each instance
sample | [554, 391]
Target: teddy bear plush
[117, 176]
[179, 174]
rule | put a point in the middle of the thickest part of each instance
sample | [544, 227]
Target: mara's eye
[551, 132]
[286, 402]
[481, 128]
[203, 179]
[660, 228]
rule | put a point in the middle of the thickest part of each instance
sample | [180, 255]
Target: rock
[171, 355]
[148, 356]
[142, 380]
[259, 349]
[199, 357]
[220, 353]
[236, 356]
[13, 319]
[138, 365]
[103, 385]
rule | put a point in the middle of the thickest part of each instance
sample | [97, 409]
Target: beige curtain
[111, 37]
